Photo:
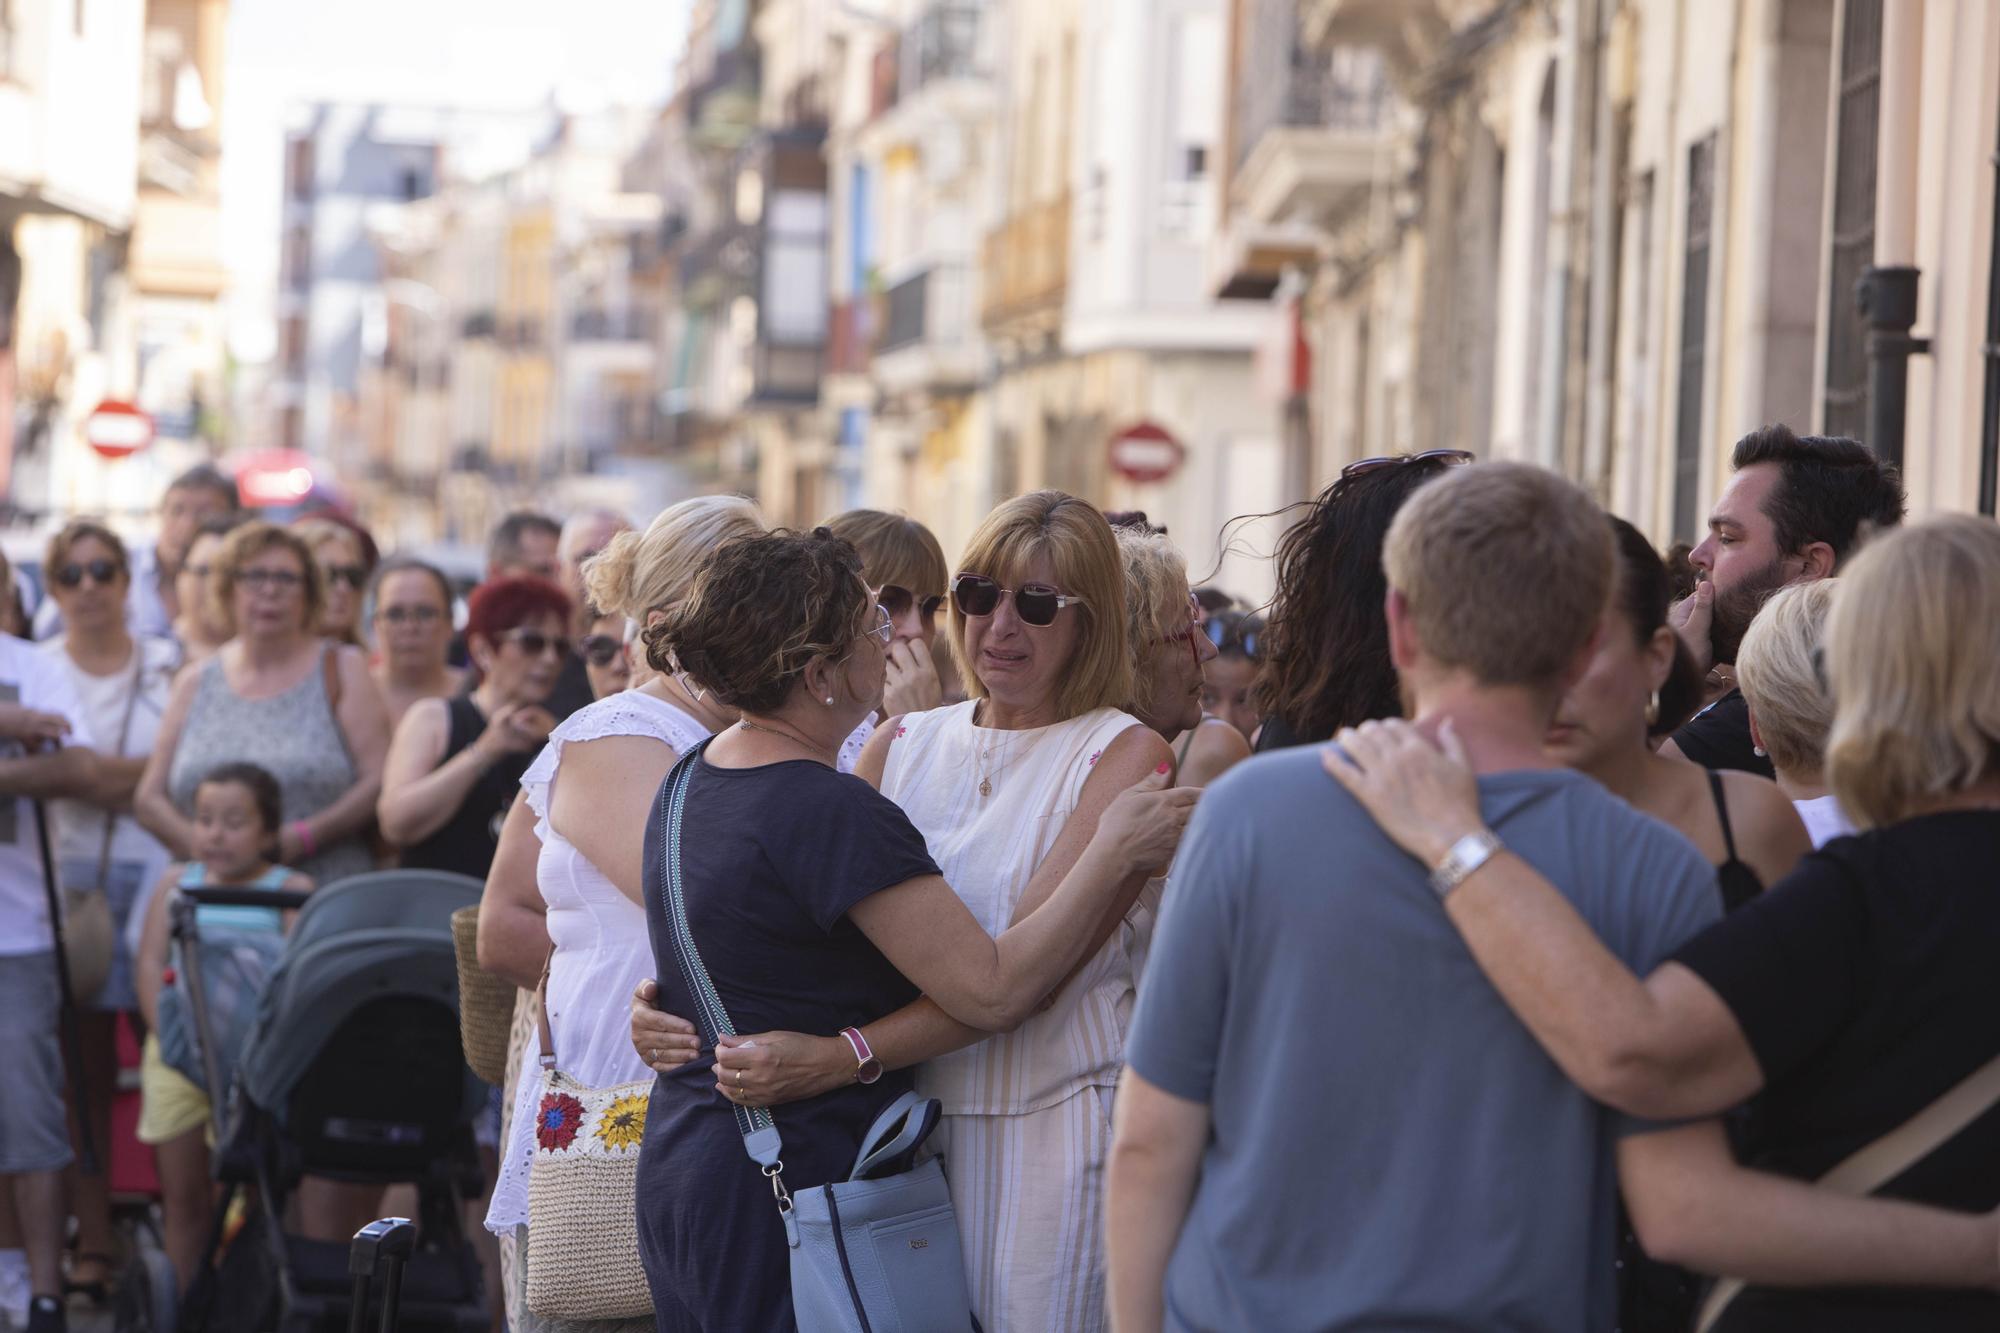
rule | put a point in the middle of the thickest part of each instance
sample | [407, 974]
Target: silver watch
[1466, 855]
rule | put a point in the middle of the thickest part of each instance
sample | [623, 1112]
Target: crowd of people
[1497, 929]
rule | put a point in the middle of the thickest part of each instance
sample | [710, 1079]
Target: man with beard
[1796, 509]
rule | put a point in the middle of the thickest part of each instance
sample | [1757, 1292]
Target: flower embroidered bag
[583, 1230]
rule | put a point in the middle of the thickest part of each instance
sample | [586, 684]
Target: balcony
[930, 340]
[1408, 32]
[1026, 266]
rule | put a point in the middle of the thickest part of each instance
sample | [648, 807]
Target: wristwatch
[1466, 855]
[866, 1067]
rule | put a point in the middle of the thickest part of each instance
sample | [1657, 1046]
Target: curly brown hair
[762, 609]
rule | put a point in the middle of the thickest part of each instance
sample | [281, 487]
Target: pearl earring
[829, 701]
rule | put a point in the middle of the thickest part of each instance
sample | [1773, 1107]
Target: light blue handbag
[870, 1254]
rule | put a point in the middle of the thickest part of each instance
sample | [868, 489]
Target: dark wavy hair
[1645, 591]
[1325, 651]
[762, 609]
[1832, 489]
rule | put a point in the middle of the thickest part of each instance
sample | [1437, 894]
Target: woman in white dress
[586, 795]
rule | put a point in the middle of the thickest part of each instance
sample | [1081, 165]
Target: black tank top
[1739, 882]
[466, 843]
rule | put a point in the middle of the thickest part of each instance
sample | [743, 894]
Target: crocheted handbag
[485, 1002]
[583, 1229]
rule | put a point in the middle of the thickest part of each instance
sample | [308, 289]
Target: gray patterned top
[294, 735]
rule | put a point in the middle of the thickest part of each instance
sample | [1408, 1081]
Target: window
[1694, 337]
[1844, 409]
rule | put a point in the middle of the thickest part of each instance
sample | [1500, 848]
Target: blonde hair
[246, 544]
[894, 550]
[1156, 590]
[638, 572]
[1778, 666]
[1913, 653]
[1084, 554]
[1506, 570]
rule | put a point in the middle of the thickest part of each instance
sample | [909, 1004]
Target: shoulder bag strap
[543, 1033]
[1880, 1162]
[760, 1133]
[124, 734]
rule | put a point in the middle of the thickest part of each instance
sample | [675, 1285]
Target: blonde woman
[1170, 657]
[1780, 668]
[347, 557]
[1846, 1000]
[584, 895]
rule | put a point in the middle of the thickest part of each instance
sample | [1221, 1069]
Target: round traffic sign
[117, 429]
[1145, 453]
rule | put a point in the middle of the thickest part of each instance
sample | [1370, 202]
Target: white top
[602, 949]
[857, 740]
[30, 679]
[1824, 819]
[80, 825]
[988, 848]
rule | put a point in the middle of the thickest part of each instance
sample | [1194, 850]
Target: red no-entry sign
[117, 429]
[1145, 452]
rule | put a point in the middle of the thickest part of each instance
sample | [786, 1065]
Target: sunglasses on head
[898, 600]
[534, 643]
[99, 572]
[600, 650]
[1238, 635]
[1036, 604]
[1449, 457]
[354, 576]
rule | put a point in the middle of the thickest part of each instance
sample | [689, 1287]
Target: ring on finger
[656, 1055]
[739, 1078]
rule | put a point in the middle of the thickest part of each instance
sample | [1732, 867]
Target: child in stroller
[236, 821]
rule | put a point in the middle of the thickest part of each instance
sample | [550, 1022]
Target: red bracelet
[305, 835]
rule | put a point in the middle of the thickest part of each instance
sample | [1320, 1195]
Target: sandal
[97, 1291]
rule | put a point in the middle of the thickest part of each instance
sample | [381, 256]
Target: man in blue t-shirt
[1329, 1118]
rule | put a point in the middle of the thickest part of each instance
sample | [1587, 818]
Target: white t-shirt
[29, 678]
[1824, 819]
[80, 825]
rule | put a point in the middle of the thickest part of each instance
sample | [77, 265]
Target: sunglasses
[897, 601]
[1225, 635]
[354, 576]
[600, 650]
[412, 615]
[977, 596]
[1449, 457]
[533, 643]
[284, 580]
[99, 572]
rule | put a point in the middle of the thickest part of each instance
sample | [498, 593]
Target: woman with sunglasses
[411, 618]
[455, 764]
[122, 681]
[1171, 654]
[1326, 649]
[1231, 674]
[347, 556]
[905, 569]
[606, 660]
[279, 696]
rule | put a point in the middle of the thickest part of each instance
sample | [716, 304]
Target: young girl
[237, 815]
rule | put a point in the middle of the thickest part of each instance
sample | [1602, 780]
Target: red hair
[499, 605]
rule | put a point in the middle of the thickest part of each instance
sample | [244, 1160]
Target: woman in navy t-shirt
[815, 906]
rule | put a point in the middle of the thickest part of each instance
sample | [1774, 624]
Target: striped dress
[1027, 1114]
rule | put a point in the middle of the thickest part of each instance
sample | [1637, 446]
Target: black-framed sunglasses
[100, 572]
[977, 596]
[600, 650]
[534, 643]
[354, 576]
[897, 601]
[1450, 457]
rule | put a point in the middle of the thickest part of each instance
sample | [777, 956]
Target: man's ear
[1404, 645]
[1818, 561]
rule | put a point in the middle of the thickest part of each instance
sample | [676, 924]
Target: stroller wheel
[148, 1296]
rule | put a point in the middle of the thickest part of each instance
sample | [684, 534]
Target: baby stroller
[353, 1071]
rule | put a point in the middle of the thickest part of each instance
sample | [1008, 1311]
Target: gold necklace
[748, 725]
[986, 776]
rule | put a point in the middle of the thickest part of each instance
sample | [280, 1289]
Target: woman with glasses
[606, 660]
[455, 764]
[279, 696]
[347, 556]
[411, 618]
[1326, 649]
[201, 626]
[1230, 675]
[1171, 655]
[904, 567]
[122, 680]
